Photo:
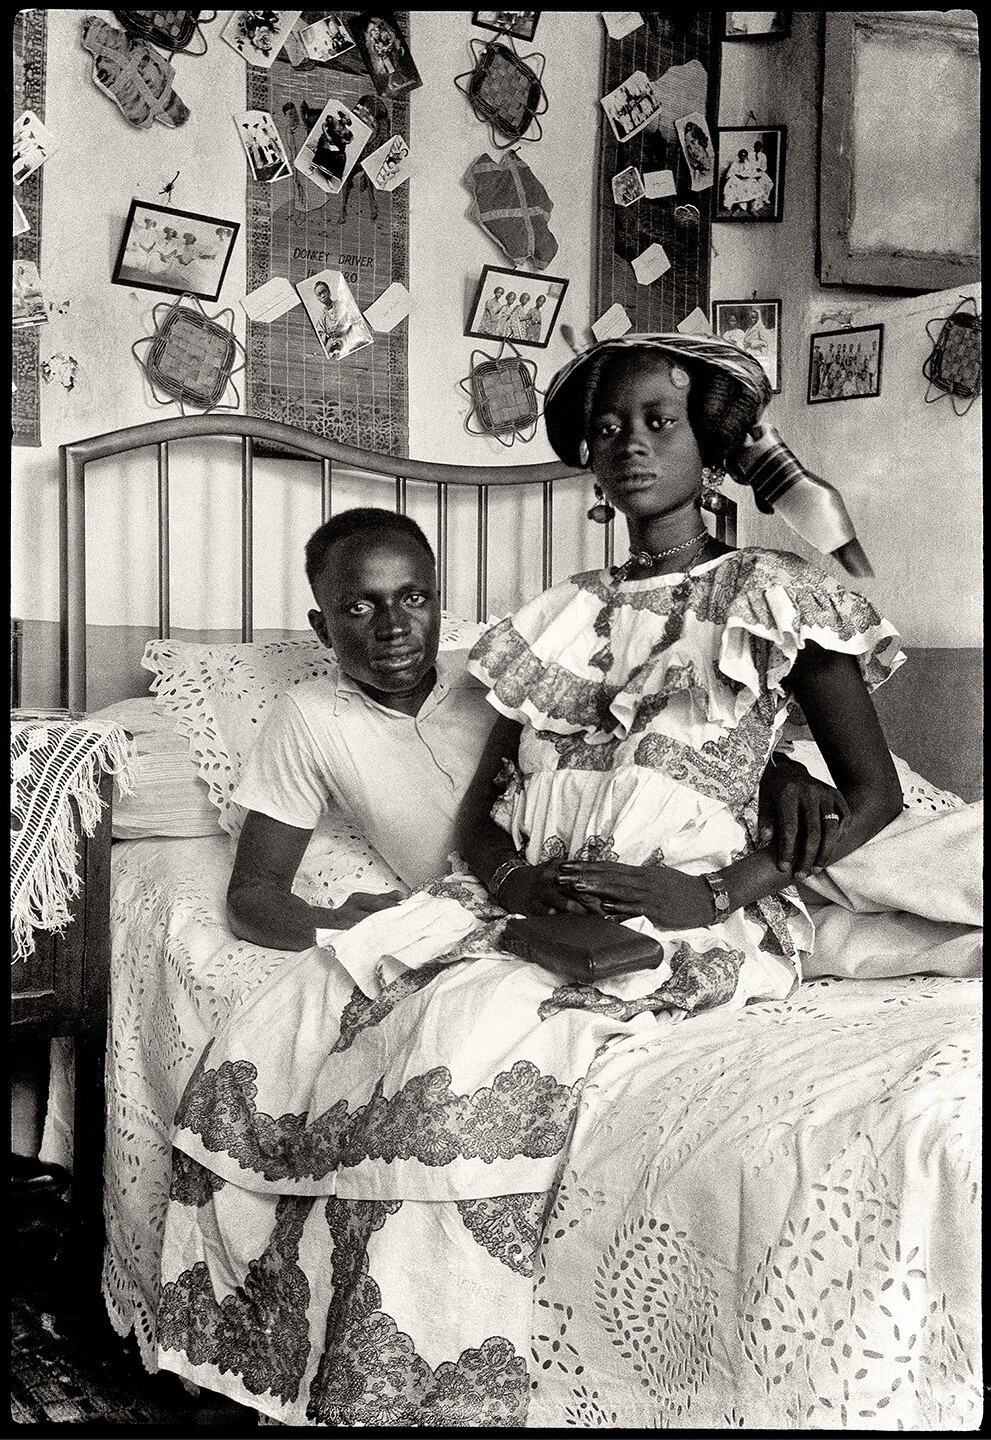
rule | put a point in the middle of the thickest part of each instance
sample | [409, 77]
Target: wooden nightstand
[61, 989]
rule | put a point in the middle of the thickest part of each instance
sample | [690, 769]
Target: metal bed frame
[75, 457]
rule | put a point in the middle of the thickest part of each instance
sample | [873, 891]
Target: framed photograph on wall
[845, 364]
[515, 305]
[175, 251]
[754, 325]
[750, 173]
[757, 24]
[521, 23]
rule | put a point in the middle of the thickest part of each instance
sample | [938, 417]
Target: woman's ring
[832, 816]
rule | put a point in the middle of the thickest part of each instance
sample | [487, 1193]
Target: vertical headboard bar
[482, 554]
[326, 488]
[401, 494]
[72, 578]
[164, 616]
[547, 536]
[442, 542]
[247, 537]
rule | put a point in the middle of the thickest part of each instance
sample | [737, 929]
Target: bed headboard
[259, 437]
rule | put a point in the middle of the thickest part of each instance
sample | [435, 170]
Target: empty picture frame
[176, 251]
[754, 325]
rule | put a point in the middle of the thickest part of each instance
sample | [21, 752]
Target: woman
[738, 182]
[404, 1096]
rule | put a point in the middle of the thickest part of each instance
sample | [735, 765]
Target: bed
[768, 1217]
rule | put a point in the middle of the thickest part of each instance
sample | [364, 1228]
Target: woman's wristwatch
[720, 895]
[502, 873]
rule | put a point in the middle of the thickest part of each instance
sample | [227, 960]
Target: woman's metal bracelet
[502, 873]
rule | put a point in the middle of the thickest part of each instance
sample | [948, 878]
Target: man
[395, 740]
[331, 326]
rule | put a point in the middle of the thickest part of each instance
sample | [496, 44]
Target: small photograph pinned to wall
[32, 145]
[385, 53]
[520, 23]
[263, 148]
[845, 364]
[631, 106]
[333, 146]
[697, 148]
[325, 39]
[628, 186]
[515, 305]
[174, 250]
[21, 222]
[754, 325]
[389, 165]
[28, 297]
[339, 324]
[259, 35]
[757, 24]
[750, 163]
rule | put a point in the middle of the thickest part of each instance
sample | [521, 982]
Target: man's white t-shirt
[400, 778]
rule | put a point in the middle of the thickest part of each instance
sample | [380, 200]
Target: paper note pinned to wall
[613, 323]
[621, 22]
[650, 264]
[697, 323]
[657, 184]
[276, 297]
[393, 305]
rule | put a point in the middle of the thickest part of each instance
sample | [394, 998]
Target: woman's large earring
[583, 455]
[601, 512]
[712, 497]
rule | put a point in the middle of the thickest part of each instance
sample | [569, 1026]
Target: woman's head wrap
[727, 397]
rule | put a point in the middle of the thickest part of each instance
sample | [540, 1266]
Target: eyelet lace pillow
[218, 696]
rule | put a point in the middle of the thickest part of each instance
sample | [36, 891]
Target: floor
[68, 1365]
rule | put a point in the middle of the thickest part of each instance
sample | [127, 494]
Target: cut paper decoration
[263, 148]
[389, 165]
[392, 306]
[631, 106]
[697, 323]
[620, 23]
[168, 29]
[628, 186]
[504, 91]
[136, 78]
[512, 207]
[21, 222]
[613, 323]
[276, 297]
[62, 368]
[28, 299]
[651, 264]
[192, 357]
[258, 35]
[32, 145]
[339, 324]
[331, 149]
[696, 145]
[659, 184]
[503, 392]
[680, 91]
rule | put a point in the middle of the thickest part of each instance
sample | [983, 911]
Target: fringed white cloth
[52, 764]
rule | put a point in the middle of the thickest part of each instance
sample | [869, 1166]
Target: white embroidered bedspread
[768, 1218]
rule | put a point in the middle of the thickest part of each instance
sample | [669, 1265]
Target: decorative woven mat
[294, 229]
[29, 35]
[624, 232]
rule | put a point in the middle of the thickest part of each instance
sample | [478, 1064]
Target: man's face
[380, 612]
[322, 292]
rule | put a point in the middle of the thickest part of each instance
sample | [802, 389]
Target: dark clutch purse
[586, 948]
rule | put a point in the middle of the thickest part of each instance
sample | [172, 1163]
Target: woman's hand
[801, 819]
[355, 908]
[668, 898]
[538, 890]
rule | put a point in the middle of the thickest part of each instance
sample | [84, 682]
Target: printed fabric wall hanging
[503, 393]
[954, 367]
[504, 91]
[137, 79]
[170, 30]
[512, 207]
[29, 37]
[192, 356]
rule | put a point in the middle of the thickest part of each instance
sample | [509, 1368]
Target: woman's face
[643, 450]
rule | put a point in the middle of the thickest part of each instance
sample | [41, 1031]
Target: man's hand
[800, 819]
[355, 908]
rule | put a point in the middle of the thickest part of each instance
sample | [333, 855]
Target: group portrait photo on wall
[845, 364]
[754, 325]
[520, 23]
[176, 251]
[515, 305]
[750, 166]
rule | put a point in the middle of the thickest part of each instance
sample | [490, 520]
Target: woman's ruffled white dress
[410, 1088]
